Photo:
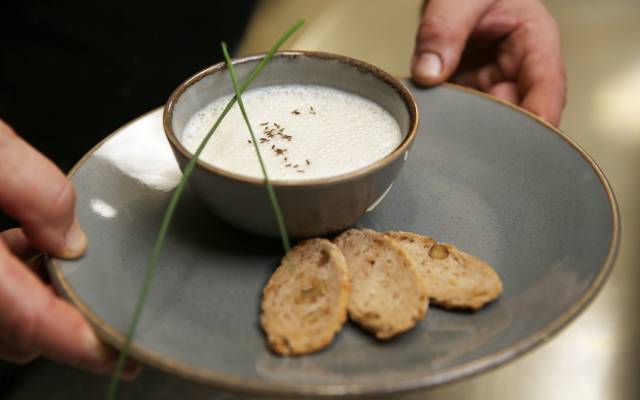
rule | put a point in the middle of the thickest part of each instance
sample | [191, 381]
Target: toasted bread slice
[454, 279]
[305, 302]
[387, 296]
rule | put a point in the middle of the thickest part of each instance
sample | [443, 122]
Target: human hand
[507, 48]
[33, 320]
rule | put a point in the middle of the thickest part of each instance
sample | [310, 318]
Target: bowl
[311, 207]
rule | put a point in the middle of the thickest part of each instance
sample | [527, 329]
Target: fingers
[18, 244]
[443, 32]
[507, 91]
[491, 80]
[33, 321]
[547, 99]
[483, 79]
[37, 194]
[541, 75]
[543, 84]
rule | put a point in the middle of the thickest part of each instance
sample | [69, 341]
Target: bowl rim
[404, 93]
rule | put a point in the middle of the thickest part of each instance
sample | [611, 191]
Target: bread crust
[454, 279]
[387, 296]
[305, 301]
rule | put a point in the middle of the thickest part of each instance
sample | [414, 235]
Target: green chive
[168, 215]
[272, 195]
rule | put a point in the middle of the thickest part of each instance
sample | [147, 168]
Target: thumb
[36, 193]
[441, 37]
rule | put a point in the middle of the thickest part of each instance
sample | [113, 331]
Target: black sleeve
[73, 71]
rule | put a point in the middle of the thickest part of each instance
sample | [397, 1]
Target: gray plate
[494, 180]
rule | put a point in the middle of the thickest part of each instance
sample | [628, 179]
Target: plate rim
[470, 368]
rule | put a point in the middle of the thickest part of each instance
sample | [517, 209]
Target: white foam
[336, 131]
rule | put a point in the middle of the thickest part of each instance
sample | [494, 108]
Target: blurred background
[598, 355]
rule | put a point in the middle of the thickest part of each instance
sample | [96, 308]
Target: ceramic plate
[483, 175]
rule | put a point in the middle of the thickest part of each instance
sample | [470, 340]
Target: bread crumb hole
[439, 252]
[324, 259]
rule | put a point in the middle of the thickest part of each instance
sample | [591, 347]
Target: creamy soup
[302, 131]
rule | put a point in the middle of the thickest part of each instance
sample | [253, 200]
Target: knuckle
[63, 202]
[435, 27]
[529, 33]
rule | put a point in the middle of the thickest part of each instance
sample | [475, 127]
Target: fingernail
[75, 241]
[429, 65]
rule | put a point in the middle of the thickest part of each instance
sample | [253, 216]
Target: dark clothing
[71, 72]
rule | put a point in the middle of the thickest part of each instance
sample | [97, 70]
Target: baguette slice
[454, 279]
[387, 296]
[305, 302]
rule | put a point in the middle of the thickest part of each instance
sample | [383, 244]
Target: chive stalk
[272, 195]
[170, 211]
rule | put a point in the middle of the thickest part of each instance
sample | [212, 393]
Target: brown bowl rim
[404, 93]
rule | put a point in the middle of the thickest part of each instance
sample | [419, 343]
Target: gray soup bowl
[310, 207]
